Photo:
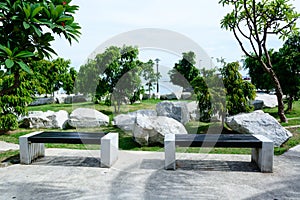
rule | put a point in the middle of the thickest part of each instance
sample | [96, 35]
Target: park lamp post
[157, 87]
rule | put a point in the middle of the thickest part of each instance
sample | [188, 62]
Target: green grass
[295, 113]
[125, 139]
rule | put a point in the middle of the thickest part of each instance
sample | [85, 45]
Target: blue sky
[198, 20]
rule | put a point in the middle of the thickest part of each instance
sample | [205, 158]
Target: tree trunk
[279, 95]
[290, 103]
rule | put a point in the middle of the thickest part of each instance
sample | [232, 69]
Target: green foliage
[114, 76]
[258, 76]
[287, 65]
[238, 91]
[210, 93]
[184, 72]
[27, 29]
[149, 75]
[50, 76]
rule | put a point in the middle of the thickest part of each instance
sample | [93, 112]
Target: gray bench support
[109, 149]
[170, 149]
[30, 151]
[263, 157]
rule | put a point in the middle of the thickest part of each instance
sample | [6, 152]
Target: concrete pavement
[75, 174]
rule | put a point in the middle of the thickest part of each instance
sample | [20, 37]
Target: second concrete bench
[262, 147]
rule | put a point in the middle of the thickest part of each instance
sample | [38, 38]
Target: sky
[196, 21]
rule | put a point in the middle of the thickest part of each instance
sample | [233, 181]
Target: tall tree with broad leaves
[27, 28]
[252, 23]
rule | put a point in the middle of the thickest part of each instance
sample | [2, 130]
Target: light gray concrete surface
[4, 146]
[75, 174]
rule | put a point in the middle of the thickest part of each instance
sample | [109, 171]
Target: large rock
[186, 95]
[126, 121]
[151, 130]
[87, 118]
[175, 110]
[270, 101]
[257, 104]
[49, 119]
[42, 101]
[58, 119]
[171, 96]
[261, 123]
[193, 109]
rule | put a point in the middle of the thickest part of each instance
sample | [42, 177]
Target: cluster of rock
[79, 118]
[149, 126]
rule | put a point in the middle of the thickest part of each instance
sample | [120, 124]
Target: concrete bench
[32, 145]
[262, 147]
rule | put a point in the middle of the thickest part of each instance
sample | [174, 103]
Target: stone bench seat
[32, 145]
[262, 147]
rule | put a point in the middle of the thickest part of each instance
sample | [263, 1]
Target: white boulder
[49, 119]
[126, 121]
[151, 130]
[87, 118]
[261, 123]
[193, 109]
[270, 101]
[176, 110]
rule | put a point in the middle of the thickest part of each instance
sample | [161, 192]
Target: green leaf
[37, 31]
[24, 67]
[64, 18]
[24, 54]
[27, 11]
[36, 11]
[26, 25]
[9, 63]
[6, 50]
[59, 9]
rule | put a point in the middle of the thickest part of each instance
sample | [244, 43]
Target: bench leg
[30, 151]
[263, 157]
[109, 149]
[170, 152]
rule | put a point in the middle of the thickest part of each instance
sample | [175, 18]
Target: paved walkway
[4, 146]
[74, 174]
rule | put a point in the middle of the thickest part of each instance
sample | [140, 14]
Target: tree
[149, 75]
[27, 28]
[287, 66]
[210, 94]
[258, 76]
[53, 75]
[238, 92]
[252, 22]
[186, 68]
[118, 72]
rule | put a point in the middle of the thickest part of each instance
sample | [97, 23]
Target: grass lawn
[125, 139]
